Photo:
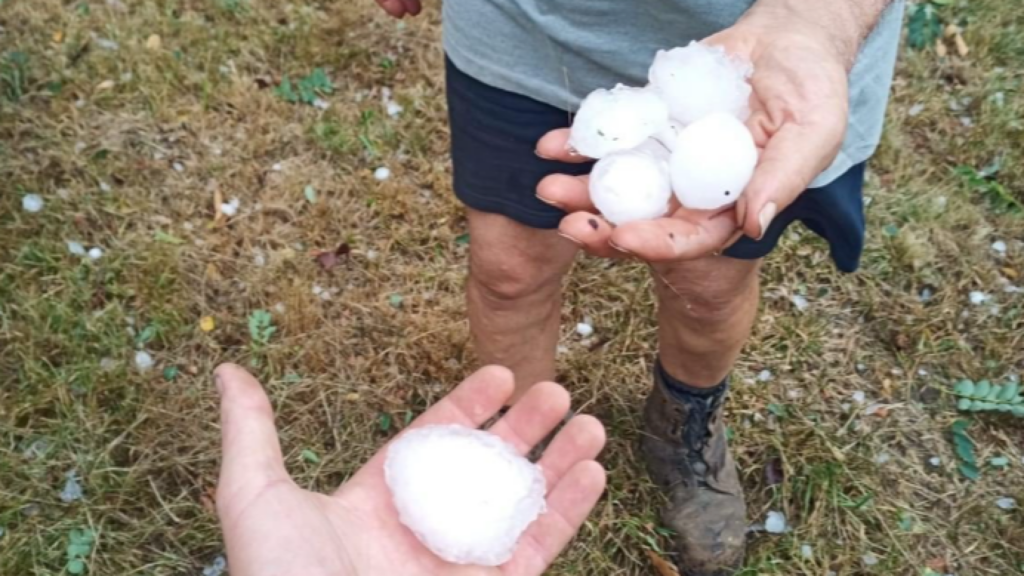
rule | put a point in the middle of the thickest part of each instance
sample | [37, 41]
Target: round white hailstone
[466, 494]
[632, 185]
[713, 162]
[615, 120]
[700, 80]
[95, 253]
[32, 202]
[585, 330]
[143, 361]
[382, 173]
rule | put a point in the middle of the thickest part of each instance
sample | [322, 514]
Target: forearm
[846, 23]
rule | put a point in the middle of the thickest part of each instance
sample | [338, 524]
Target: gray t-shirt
[558, 51]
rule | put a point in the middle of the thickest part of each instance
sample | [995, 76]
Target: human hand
[273, 527]
[799, 108]
[399, 8]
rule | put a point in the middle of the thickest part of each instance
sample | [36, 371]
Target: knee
[706, 295]
[512, 279]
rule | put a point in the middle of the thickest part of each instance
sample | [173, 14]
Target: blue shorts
[493, 137]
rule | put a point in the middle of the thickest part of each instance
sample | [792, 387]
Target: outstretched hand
[274, 527]
[799, 108]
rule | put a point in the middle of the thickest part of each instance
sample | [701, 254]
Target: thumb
[251, 450]
[792, 158]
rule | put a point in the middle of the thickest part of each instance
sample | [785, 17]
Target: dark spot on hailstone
[593, 223]
[727, 193]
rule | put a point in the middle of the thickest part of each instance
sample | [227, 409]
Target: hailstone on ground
[615, 120]
[713, 161]
[633, 184]
[700, 80]
[466, 494]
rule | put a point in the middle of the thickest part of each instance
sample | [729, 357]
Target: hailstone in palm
[466, 494]
[615, 120]
[713, 161]
[633, 184]
[700, 80]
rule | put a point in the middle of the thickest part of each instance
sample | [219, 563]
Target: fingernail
[218, 384]
[571, 239]
[541, 156]
[766, 216]
[548, 202]
[619, 248]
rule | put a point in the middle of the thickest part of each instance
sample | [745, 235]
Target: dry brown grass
[146, 448]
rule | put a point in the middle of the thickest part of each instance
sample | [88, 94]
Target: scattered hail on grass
[466, 494]
[683, 133]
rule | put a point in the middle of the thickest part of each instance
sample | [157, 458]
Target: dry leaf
[58, 36]
[352, 397]
[951, 30]
[940, 48]
[329, 259]
[961, 45]
[212, 273]
[154, 42]
[663, 566]
[206, 324]
[105, 85]
[1010, 273]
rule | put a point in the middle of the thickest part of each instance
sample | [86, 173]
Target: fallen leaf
[1010, 273]
[154, 42]
[663, 566]
[212, 273]
[940, 49]
[105, 85]
[330, 258]
[951, 30]
[207, 324]
[352, 396]
[58, 36]
[961, 45]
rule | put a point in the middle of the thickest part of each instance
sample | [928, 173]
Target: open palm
[274, 527]
[799, 109]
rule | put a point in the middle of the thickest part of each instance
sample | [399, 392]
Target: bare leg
[514, 295]
[705, 313]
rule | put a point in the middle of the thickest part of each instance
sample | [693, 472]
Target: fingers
[793, 158]
[555, 146]
[685, 235]
[251, 450]
[591, 232]
[569, 503]
[395, 8]
[581, 439]
[570, 193]
[532, 418]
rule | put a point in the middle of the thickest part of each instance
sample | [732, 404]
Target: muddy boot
[687, 455]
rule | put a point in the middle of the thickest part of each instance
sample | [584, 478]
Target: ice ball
[699, 80]
[713, 162]
[632, 185]
[617, 119]
[466, 494]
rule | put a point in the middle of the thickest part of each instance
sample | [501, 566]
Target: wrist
[839, 25]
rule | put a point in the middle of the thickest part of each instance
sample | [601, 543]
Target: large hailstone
[466, 494]
[700, 80]
[618, 119]
[713, 161]
[632, 185]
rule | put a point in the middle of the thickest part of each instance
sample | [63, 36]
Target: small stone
[143, 361]
[76, 248]
[999, 247]
[1006, 503]
[382, 173]
[584, 329]
[95, 253]
[775, 523]
[32, 203]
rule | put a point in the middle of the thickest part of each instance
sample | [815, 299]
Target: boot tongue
[696, 430]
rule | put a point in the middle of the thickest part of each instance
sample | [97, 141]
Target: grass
[145, 445]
